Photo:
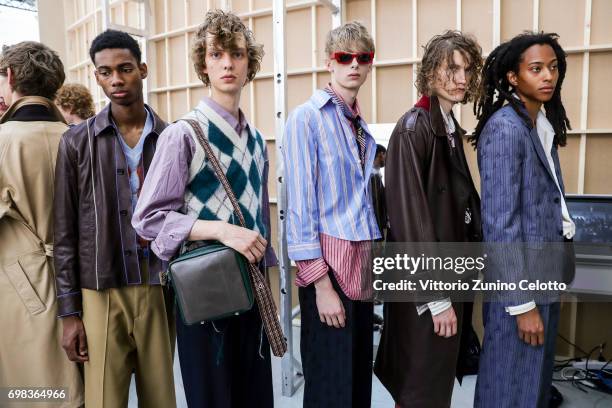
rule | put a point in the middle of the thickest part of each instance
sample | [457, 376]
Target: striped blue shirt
[327, 189]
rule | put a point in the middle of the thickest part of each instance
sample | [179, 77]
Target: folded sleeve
[158, 217]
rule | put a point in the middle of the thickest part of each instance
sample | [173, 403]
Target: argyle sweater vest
[241, 157]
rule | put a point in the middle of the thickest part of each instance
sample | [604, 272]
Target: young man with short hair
[329, 155]
[225, 363]
[30, 131]
[117, 317]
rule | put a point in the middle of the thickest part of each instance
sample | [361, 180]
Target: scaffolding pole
[291, 375]
[291, 369]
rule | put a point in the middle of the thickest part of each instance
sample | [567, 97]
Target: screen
[593, 218]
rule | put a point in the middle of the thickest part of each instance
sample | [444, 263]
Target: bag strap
[263, 294]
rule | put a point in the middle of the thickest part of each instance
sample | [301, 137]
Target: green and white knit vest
[241, 157]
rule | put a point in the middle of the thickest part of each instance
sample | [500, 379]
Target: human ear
[9, 77]
[512, 78]
[144, 70]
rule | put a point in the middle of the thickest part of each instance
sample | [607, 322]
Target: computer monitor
[593, 217]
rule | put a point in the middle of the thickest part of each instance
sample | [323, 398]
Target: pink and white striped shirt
[349, 261]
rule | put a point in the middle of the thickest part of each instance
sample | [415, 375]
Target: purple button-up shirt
[157, 217]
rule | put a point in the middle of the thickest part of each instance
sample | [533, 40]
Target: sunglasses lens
[344, 58]
[364, 58]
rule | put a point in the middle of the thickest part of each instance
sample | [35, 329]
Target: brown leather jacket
[429, 193]
[95, 243]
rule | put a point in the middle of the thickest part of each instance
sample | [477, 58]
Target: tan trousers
[129, 329]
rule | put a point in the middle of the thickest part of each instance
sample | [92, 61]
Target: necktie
[361, 141]
[354, 119]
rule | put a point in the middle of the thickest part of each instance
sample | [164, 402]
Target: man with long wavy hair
[429, 180]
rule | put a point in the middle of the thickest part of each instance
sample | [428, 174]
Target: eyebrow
[539, 62]
[122, 65]
[217, 48]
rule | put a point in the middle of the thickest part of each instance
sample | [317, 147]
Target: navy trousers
[226, 364]
[337, 363]
[513, 374]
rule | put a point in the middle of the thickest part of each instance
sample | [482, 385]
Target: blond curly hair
[227, 29]
[76, 99]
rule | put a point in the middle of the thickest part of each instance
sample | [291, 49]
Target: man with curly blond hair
[226, 362]
[75, 103]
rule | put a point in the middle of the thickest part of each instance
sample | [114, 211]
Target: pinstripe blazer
[521, 203]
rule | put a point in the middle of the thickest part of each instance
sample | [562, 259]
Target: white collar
[546, 132]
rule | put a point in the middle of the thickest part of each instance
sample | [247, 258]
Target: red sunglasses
[346, 58]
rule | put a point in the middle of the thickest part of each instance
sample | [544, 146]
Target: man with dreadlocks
[429, 179]
[522, 202]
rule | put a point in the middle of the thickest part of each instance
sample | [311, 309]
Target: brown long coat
[428, 194]
[30, 345]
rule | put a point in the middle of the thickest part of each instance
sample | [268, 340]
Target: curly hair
[505, 58]
[349, 35]
[441, 48]
[226, 29]
[76, 99]
[36, 69]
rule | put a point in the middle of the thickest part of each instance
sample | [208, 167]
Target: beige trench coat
[30, 333]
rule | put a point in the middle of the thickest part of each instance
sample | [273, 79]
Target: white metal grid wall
[400, 29]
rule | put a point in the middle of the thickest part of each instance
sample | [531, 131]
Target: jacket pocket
[18, 278]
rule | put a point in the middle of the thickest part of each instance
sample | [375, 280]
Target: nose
[227, 60]
[548, 75]
[116, 79]
[460, 76]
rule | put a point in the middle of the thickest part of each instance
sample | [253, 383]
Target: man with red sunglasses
[329, 155]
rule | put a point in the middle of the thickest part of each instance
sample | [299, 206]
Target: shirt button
[556, 200]
[127, 252]
[123, 212]
[121, 172]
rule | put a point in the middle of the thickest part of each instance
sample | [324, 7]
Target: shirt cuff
[270, 258]
[175, 231]
[520, 309]
[304, 251]
[435, 307]
[310, 270]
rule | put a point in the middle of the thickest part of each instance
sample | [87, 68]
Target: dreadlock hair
[505, 58]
